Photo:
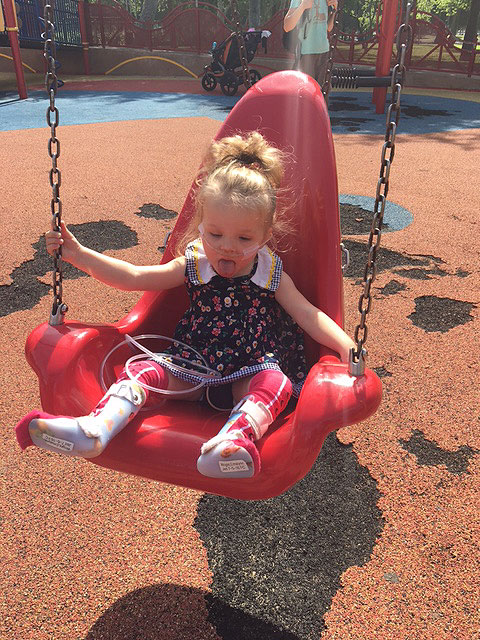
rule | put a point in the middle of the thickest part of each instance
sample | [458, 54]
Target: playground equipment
[9, 23]
[289, 109]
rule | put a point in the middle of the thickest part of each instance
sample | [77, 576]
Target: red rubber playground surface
[379, 541]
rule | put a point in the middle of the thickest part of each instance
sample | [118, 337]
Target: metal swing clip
[356, 365]
[346, 256]
[56, 317]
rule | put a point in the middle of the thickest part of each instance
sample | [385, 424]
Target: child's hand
[307, 4]
[65, 239]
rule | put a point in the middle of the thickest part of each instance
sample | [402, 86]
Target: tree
[254, 14]
[149, 10]
[471, 28]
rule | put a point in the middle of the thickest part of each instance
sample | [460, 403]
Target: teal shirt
[316, 40]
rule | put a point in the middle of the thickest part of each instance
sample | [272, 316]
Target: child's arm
[116, 273]
[313, 321]
[294, 15]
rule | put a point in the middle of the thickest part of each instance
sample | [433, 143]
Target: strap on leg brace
[256, 413]
[129, 390]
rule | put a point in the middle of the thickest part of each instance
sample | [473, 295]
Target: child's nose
[228, 245]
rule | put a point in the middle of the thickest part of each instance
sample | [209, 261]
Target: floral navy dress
[236, 323]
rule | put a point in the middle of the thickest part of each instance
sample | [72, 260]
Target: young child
[246, 316]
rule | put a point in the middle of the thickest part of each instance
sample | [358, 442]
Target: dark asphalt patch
[26, 290]
[382, 372]
[440, 314]
[350, 124]
[277, 563]
[345, 121]
[429, 453]
[156, 211]
[355, 220]
[345, 103]
[421, 274]
[391, 288]
[388, 260]
[416, 111]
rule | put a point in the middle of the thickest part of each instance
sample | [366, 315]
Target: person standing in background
[313, 34]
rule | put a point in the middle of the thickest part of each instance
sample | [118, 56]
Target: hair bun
[251, 150]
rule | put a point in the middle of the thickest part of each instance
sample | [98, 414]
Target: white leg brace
[87, 436]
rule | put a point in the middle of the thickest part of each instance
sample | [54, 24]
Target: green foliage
[359, 15]
[443, 7]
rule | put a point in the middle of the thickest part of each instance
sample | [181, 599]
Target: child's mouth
[226, 268]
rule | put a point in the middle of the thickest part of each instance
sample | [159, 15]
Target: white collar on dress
[263, 276]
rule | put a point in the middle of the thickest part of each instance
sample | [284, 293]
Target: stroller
[226, 65]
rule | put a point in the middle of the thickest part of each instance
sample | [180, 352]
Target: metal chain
[326, 86]
[404, 37]
[51, 85]
[241, 45]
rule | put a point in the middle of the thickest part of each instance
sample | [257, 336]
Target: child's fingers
[54, 245]
[65, 232]
[53, 240]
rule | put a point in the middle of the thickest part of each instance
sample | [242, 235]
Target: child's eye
[245, 239]
[214, 235]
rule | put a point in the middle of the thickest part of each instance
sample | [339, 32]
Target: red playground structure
[9, 23]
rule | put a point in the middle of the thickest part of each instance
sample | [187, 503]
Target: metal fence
[193, 26]
[436, 48]
[185, 28]
[31, 27]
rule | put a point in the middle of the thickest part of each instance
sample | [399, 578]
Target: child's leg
[87, 436]
[231, 453]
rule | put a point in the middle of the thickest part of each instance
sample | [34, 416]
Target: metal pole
[12, 30]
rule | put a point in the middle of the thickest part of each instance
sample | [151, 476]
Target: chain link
[55, 176]
[326, 86]
[241, 45]
[404, 37]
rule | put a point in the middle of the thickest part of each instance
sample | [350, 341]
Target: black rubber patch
[26, 290]
[428, 453]
[421, 274]
[347, 104]
[344, 103]
[382, 372]
[355, 220]
[414, 111]
[351, 124]
[440, 314]
[392, 287]
[156, 211]
[388, 260]
[277, 563]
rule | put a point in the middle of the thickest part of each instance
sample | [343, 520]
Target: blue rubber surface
[395, 217]
[350, 112]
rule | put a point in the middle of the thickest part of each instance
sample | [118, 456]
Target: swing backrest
[289, 110]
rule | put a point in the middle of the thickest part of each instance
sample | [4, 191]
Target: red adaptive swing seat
[288, 108]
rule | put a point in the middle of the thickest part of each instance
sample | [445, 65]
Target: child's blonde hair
[239, 172]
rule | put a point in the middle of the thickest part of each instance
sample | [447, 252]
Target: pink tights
[271, 387]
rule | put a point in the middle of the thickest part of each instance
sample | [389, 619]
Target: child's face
[232, 238]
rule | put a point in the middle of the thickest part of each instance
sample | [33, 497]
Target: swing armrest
[332, 398]
[66, 360]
